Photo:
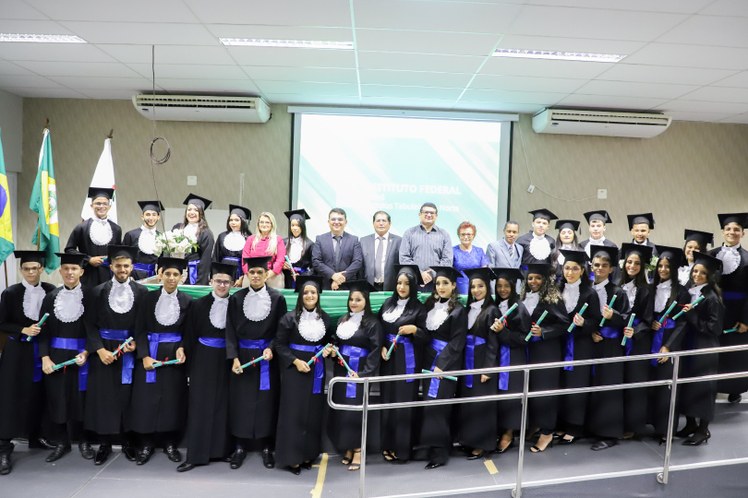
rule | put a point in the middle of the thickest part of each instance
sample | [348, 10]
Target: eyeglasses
[466, 235]
[32, 269]
[222, 283]
[428, 213]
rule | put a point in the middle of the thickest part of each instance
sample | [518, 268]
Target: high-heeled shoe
[566, 440]
[536, 449]
[506, 448]
[687, 431]
[346, 460]
[354, 464]
[698, 439]
[476, 456]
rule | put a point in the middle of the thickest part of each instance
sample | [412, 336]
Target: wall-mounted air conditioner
[601, 123]
[202, 108]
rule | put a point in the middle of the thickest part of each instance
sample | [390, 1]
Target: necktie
[336, 251]
[379, 258]
[511, 251]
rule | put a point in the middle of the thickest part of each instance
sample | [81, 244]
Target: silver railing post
[663, 476]
[517, 491]
[364, 436]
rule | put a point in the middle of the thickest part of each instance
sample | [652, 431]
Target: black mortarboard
[573, 224]
[710, 262]
[482, 273]
[358, 285]
[257, 262]
[198, 201]
[645, 251]
[575, 256]
[612, 253]
[446, 271]
[297, 212]
[512, 274]
[412, 270]
[114, 252]
[165, 262]
[601, 215]
[674, 254]
[225, 268]
[151, 206]
[30, 256]
[240, 211]
[703, 238]
[636, 219]
[94, 192]
[739, 218]
[303, 280]
[71, 259]
[538, 269]
[543, 213]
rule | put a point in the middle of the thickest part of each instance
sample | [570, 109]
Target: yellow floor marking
[316, 491]
[490, 466]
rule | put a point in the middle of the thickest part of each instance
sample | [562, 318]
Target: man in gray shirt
[426, 245]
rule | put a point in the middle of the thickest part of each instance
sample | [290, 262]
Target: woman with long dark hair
[198, 262]
[695, 241]
[567, 240]
[230, 243]
[298, 247]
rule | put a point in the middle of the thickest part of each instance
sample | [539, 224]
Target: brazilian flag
[6, 225]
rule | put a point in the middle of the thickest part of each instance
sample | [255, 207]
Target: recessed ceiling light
[39, 38]
[552, 54]
[260, 42]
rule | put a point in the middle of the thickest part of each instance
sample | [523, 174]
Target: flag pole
[111, 134]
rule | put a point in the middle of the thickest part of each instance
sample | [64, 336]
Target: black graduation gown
[672, 338]
[220, 253]
[527, 258]
[477, 421]
[735, 297]
[253, 413]
[305, 261]
[108, 397]
[635, 400]
[573, 407]
[435, 427]
[131, 239]
[605, 416]
[207, 434]
[80, 242]
[158, 406]
[512, 338]
[21, 399]
[343, 427]
[703, 330]
[399, 426]
[301, 410]
[204, 255]
[65, 401]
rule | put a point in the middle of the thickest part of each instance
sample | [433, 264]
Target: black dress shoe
[306, 465]
[102, 454]
[433, 465]
[173, 453]
[268, 460]
[698, 439]
[734, 398]
[5, 465]
[687, 431]
[185, 467]
[237, 458]
[144, 455]
[603, 444]
[60, 451]
[294, 469]
[86, 450]
[130, 453]
[473, 456]
[41, 443]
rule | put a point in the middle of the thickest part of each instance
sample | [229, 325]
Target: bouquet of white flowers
[174, 243]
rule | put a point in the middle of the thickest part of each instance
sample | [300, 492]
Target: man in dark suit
[381, 252]
[336, 255]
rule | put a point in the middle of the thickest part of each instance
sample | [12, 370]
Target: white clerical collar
[32, 299]
[575, 284]
[68, 305]
[597, 242]
[146, 229]
[602, 284]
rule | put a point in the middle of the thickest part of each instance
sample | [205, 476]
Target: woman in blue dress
[466, 255]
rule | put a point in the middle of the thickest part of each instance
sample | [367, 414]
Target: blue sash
[238, 262]
[734, 295]
[264, 365]
[299, 271]
[437, 346]
[630, 341]
[354, 355]
[657, 339]
[128, 359]
[319, 366]
[37, 359]
[192, 270]
[213, 342]
[470, 344]
[504, 357]
[148, 269]
[610, 333]
[410, 356]
[569, 353]
[72, 344]
[154, 339]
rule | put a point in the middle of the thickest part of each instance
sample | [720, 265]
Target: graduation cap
[538, 269]
[362, 286]
[447, 272]
[257, 262]
[703, 238]
[411, 270]
[674, 254]
[645, 251]
[300, 213]
[739, 218]
[636, 219]
[71, 259]
[304, 280]
[579, 257]
[511, 274]
[709, 262]
[601, 215]
[94, 192]
[198, 201]
[571, 224]
[483, 273]
[114, 252]
[543, 213]
[165, 262]
[240, 211]
[611, 252]
[30, 256]
[151, 206]
[223, 268]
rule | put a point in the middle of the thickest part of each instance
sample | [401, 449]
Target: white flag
[103, 177]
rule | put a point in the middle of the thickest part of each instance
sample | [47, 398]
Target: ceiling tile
[80, 83]
[570, 44]
[706, 107]
[410, 92]
[187, 86]
[281, 12]
[39, 27]
[737, 118]
[304, 57]
[698, 116]
[304, 87]
[467, 105]
[407, 103]
[699, 56]
[142, 33]
[10, 68]
[419, 62]
[544, 68]
[661, 74]
[414, 78]
[280, 32]
[530, 84]
[716, 31]
[374, 40]
[50, 68]
[189, 71]
[108, 93]
[31, 81]
[607, 102]
[45, 92]
[727, 8]
[17, 9]
[299, 99]
[677, 6]
[737, 80]
[131, 10]
[169, 54]
[632, 89]
[548, 98]
[321, 74]
[721, 94]
[53, 52]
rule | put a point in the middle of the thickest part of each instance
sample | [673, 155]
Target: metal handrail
[662, 477]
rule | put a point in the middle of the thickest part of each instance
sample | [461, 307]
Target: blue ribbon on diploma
[259, 345]
[319, 366]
